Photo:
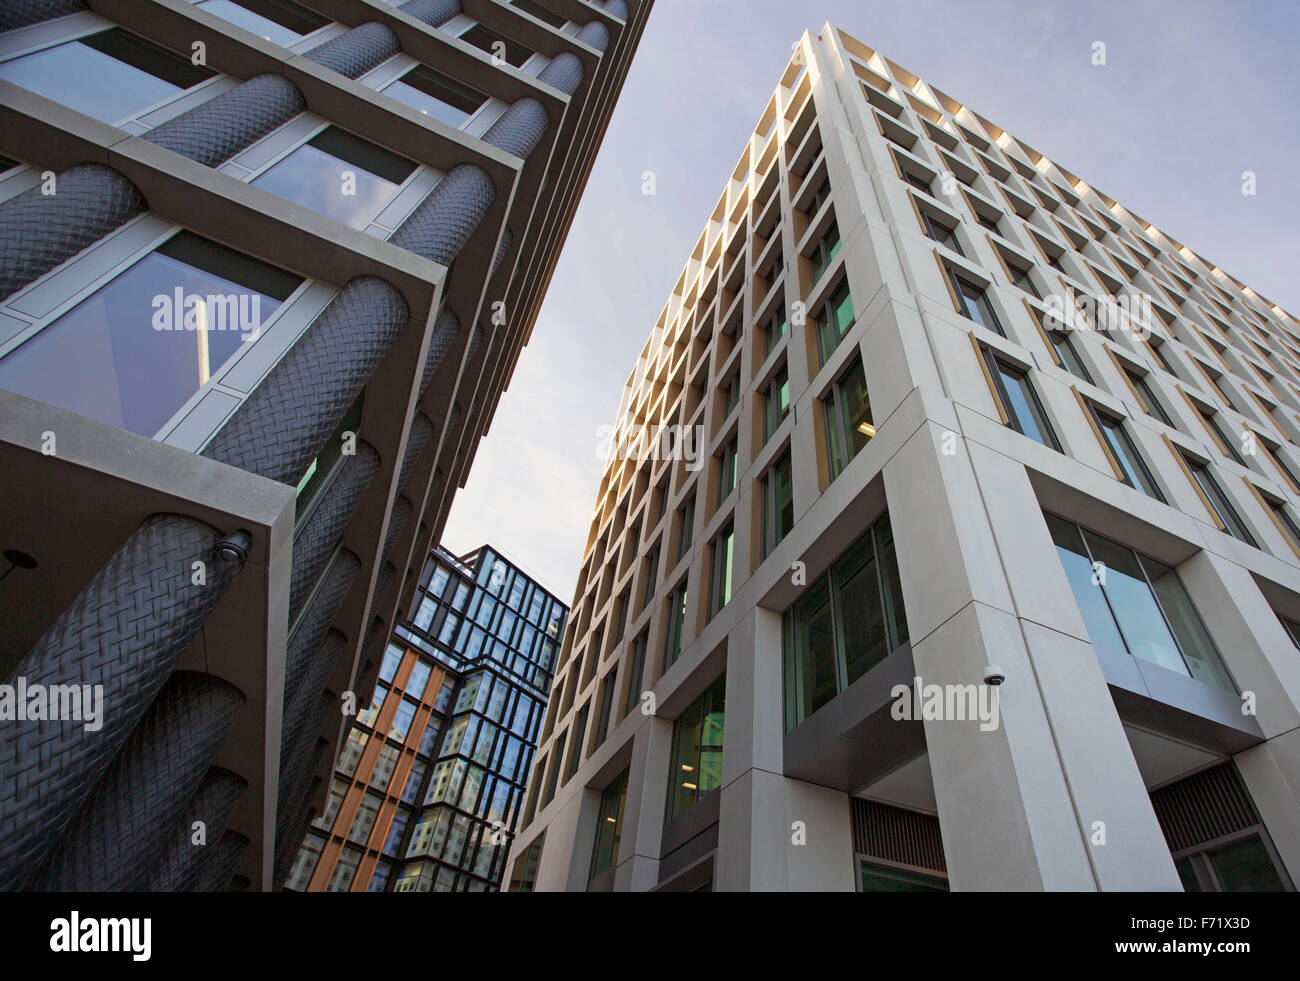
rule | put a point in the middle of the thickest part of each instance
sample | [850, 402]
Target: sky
[1192, 95]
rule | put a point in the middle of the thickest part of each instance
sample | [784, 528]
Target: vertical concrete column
[643, 814]
[1004, 797]
[774, 834]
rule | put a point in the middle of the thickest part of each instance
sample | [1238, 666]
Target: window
[1158, 349]
[676, 622]
[1070, 360]
[364, 820]
[1245, 864]
[1285, 523]
[109, 76]
[635, 673]
[776, 402]
[778, 502]
[1217, 500]
[111, 359]
[1133, 604]
[609, 826]
[695, 770]
[486, 39]
[687, 529]
[624, 601]
[848, 621]
[280, 21]
[338, 175]
[819, 198]
[849, 426]
[720, 571]
[834, 321]
[730, 394]
[437, 95]
[388, 667]
[1211, 421]
[1025, 414]
[540, 12]
[920, 183]
[344, 871]
[973, 302]
[385, 763]
[944, 234]
[651, 575]
[726, 472]
[606, 709]
[774, 329]
[1125, 453]
[523, 877]
[575, 743]
[824, 252]
[1146, 396]
[322, 467]
[305, 864]
[989, 223]
[878, 877]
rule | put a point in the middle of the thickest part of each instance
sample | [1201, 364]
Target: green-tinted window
[676, 625]
[720, 571]
[849, 425]
[609, 825]
[833, 323]
[778, 503]
[776, 402]
[846, 623]
[696, 766]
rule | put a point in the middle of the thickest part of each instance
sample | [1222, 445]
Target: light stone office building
[266, 267]
[932, 456]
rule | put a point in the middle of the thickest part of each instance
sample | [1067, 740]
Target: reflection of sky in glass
[261, 26]
[427, 104]
[103, 359]
[314, 179]
[81, 78]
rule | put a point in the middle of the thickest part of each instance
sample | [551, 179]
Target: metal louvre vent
[896, 835]
[1204, 806]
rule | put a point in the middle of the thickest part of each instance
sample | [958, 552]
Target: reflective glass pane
[1135, 607]
[1087, 592]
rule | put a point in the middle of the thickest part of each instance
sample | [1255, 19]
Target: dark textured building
[265, 269]
[429, 786]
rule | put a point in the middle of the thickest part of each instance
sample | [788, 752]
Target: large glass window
[847, 621]
[974, 303]
[778, 502]
[133, 352]
[437, 95]
[687, 530]
[636, 672]
[1146, 396]
[849, 426]
[524, 875]
[338, 175]
[281, 21]
[609, 825]
[695, 770]
[824, 252]
[1246, 864]
[110, 75]
[1132, 603]
[498, 46]
[726, 472]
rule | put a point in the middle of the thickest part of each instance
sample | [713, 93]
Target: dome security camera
[994, 675]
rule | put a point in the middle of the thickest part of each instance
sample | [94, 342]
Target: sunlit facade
[967, 556]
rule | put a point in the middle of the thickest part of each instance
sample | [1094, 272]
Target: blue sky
[1193, 94]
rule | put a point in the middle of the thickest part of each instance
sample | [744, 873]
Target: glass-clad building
[428, 787]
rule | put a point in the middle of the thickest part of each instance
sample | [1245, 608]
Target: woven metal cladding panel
[1204, 806]
[897, 835]
[386, 576]
[595, 34]
[307, 698]
[476, 341]
[39, 231]
[520, 127]
[421, 430]
[20, 13]
[215, 131]
[315, 542]
[282, 426]
[356, 52]
[309, 633]
[124, 631]
[118, 834]
[564, 72]
[615, 7]
[435, 12]
[180, 862]
[397, 520]
[445, 329]
[442, 223]
[216, 872]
